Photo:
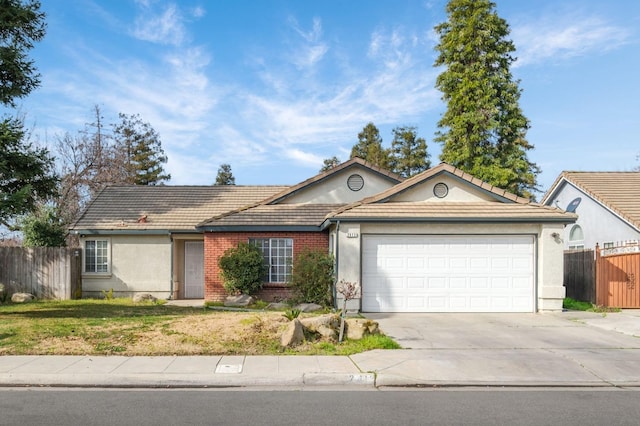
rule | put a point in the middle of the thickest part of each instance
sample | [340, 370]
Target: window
[96, 256]
[576, 238]
[278, 256]
[607, 245]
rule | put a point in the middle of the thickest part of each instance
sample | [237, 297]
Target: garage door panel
[500, 282]
[458, 283]
[458, 262]
[416, 283]
[448, 273]
[415, 263]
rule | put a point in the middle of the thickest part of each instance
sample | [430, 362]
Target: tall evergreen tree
[43, 228]
[21, 24]
[225, 177]
[329, 163]
[409, 154]
[27, 178]
[369, 147]
[141, 148]
[26, 173]
[483, 130]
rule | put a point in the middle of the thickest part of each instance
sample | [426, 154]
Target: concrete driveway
[552, 349]
[562, 330]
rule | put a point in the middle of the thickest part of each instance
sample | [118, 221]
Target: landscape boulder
[325, 325]
[276, 306]
[357, 328]
[22, 297]
[241, 300]
[293, 335]
[308, 307]
[144, 297]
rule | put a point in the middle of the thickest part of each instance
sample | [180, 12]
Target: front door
[194, 269]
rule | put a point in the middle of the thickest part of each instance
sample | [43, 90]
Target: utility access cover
[229, 368]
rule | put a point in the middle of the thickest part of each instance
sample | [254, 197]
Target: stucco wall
[549, 254]
[458, 191]
[139, 264]
[334, 190]
[598, 224]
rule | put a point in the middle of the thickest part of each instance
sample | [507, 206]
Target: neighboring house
[607, 205]
[442, 241]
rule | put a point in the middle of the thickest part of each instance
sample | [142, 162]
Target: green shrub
[242, 269]
[312, 277]
[108, 295]
[292, 314]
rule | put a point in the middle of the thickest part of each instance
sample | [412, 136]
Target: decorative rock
[22, 297]
[293, 335]
[357, 328]
[276, 306]
[308, 307]
[241, 300]
[143, 297]
[325, 325]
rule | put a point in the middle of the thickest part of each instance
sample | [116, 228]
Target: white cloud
[304, 158]
[560, 38]
[164, 28]
[311, 50]
[198, 12]
[295, 112]
[393, 48]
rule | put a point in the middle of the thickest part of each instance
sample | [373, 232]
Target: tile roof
[455, 211]
[166, 207]
[619, 191]
[274, 215]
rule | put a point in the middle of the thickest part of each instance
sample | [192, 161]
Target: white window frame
[278, 256]
[98, 256]
[576, 244]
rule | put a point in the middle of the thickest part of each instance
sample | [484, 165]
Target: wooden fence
[579, 275]
[617, 274]
[45, 272]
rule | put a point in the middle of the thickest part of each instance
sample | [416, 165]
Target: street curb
[390, 380]
[196, 381]
[322, 379]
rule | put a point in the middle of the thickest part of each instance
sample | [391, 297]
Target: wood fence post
[598, 280]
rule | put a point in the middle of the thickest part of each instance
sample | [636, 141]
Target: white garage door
[447, 273]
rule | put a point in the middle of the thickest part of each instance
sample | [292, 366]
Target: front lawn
[118, 326]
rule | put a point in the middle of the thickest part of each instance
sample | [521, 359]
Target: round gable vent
[440, 190]
[355, 182]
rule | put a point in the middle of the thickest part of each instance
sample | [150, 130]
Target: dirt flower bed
[119, 327]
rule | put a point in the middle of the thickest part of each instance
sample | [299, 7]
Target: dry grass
[106, 327]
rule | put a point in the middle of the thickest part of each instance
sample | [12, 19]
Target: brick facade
[216, 243]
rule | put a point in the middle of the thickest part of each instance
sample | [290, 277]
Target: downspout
[171, 280]
[335, 282]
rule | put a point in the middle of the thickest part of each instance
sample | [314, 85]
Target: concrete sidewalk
[539, 350]
[181, 371]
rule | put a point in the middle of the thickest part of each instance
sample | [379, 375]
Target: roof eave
[261, 228]
[124, 231]
[567, 220]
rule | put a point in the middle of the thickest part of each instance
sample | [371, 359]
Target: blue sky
[274, 87]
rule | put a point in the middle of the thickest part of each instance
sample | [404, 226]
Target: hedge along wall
[216, 243]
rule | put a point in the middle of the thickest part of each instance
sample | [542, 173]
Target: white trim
[106, 273]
